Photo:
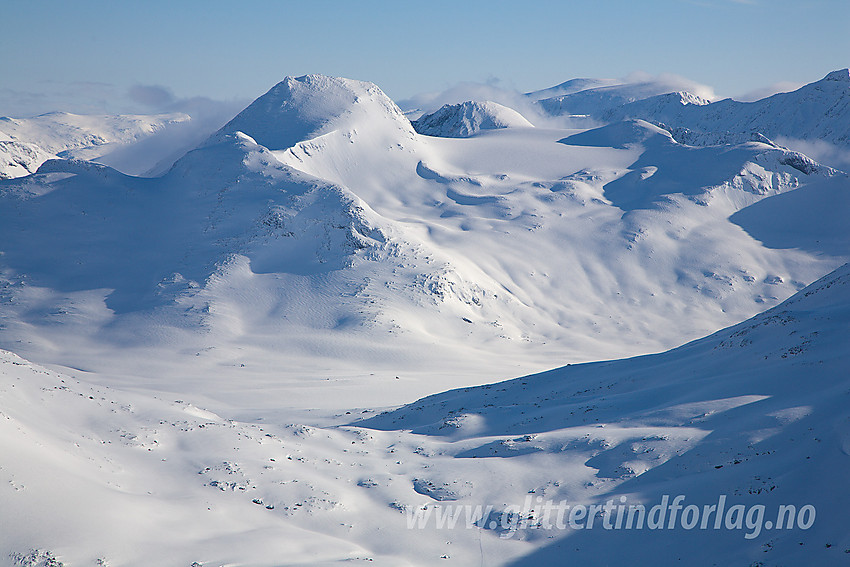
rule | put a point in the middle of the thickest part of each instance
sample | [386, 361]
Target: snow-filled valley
[218, 361]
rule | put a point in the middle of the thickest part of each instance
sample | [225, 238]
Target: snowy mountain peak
[685, 97]
[303, 108]
[842, 75]
[468, 118]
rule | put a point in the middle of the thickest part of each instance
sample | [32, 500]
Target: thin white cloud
[820, 151]
[462, 92]
[495, 92]
[155, 96]
[155, 154]
[79, 97]
[763, 92]
[673, 82]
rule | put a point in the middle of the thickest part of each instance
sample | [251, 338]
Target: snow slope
[105, 477]
[222, 340]
[348, 237]
[757, 412]
[468, 118]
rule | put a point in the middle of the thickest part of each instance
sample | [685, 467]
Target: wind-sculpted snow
[468, 118]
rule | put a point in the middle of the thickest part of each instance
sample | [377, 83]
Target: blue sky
[88, 55]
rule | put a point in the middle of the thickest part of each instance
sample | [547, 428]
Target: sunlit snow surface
[224, 341]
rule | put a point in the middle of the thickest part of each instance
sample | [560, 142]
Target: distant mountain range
[26, 143]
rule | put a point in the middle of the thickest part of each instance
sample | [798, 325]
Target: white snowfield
[217, 351]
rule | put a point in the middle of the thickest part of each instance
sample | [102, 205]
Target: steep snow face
[468, 118]
[817, 111]
[26, 143]
[303, 108]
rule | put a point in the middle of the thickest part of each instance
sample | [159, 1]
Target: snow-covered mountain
[468, 118]
[319, 221]
[26, 143]
[303, 108]
[817, 111]
[226, 345]
[604, 101]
